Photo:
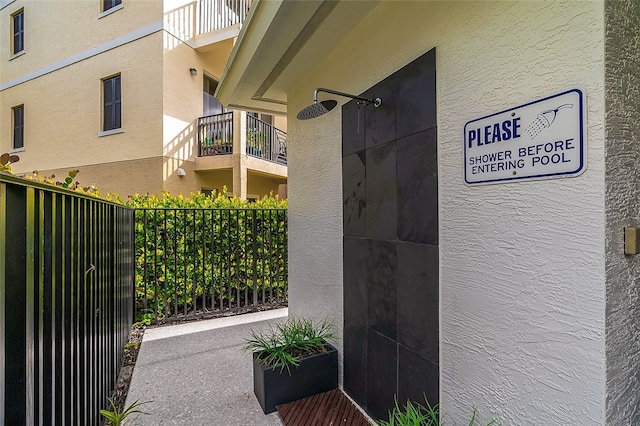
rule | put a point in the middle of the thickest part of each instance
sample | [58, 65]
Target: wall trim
[110, 11]
[5, 3]
[117, 42]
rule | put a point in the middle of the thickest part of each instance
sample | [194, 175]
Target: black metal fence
[194, 262]
[66, 308]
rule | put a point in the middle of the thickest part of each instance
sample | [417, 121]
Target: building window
[17, 25]
[18, 127]
[262, 117]
[112, 110]
[109, 4]
[210, 105]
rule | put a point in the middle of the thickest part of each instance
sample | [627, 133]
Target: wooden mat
[331, 408]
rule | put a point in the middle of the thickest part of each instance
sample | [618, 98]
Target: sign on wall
[540, 140]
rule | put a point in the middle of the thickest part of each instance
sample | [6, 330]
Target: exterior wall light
[181, 172]
[193, 71]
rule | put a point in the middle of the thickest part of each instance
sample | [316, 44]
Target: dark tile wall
[390, 193]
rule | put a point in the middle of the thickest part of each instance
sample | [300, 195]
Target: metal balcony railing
[215, 134]
[215, 137]
[265, 141]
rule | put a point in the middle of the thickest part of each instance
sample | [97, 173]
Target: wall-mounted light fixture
[193, 71]
[181, 172]
[316, 109]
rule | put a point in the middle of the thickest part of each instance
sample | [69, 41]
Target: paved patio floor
[197, 374]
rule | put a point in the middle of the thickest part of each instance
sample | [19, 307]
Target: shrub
[203, 251]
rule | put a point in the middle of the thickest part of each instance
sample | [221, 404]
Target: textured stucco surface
[622, 88]
[522, 265]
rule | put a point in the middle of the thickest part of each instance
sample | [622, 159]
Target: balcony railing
[215, 137]
[265, 141]
[204, 16]
[219, 14]
[215, 134]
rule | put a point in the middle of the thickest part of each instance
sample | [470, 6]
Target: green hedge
[208, 253]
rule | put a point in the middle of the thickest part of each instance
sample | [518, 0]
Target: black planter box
[316, 374]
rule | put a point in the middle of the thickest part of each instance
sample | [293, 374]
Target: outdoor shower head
[316, 109]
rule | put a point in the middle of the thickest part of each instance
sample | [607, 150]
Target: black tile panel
[416, 96]
[355, 280]
[382, 269]
[417, 182]
[353, 194]
[355, 362]
[417, 378]
[418, 305]
[390, 194]
[353, 127]
[381, 191]
[382, 374]
[381, 121]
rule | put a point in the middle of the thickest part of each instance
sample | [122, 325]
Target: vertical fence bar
[166, 308]
[30, 283]
[61, 310]
[145, 246]
[212, 262]
[254, 256]
[228, 256]
[174, 229]
[155, 262]
[203, 274]
[39, 233]
[3, 283]
[195, 261]
[82, 310]
[72, 330]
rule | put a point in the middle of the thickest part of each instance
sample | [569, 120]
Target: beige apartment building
[123, 90]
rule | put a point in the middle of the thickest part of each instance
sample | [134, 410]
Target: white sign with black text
[540, 140]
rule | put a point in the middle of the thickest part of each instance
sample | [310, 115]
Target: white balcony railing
[205, 16]
[219, 14]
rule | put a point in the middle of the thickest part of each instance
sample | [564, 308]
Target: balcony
[203, 22]
[215, 15]
[259, 139]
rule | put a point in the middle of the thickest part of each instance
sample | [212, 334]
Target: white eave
[279, 44]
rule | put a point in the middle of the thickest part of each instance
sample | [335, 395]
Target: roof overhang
[279, 44]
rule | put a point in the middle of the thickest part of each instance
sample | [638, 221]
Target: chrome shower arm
[335, 92]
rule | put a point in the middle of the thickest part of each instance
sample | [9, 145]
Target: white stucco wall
[522, 295]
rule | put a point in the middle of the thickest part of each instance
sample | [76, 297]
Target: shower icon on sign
[544, 120]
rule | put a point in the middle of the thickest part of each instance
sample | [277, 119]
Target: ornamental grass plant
[415, 414]
[285, 343]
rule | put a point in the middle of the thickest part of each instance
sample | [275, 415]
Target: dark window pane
[117, 114]
[108, 118]
[112, 109]
[18, 127]
[108, 97]
[108, 4]
[18, 32]
[210, 105]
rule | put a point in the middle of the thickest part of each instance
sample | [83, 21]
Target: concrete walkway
[197, 374]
